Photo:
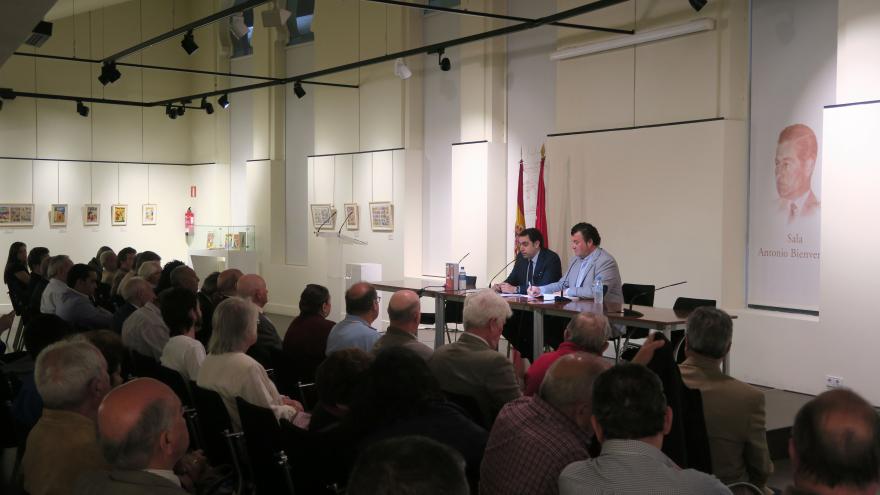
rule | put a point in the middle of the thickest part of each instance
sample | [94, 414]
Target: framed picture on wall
[58, 215]
[118, 215]
[382, 216]
[91, 214]
[323, 217]
[352, 213]
[149, 214]
[16, 215]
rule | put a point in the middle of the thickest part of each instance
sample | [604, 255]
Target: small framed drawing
[211, 241]
[118, 215]
[382, 216]
[149, 214]
[16, 215]
[58, 216]
[91, 214]
[352, 213]
[323, 216]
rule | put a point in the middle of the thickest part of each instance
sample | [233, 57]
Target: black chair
[221, 444]
[180, 386]
[19, 305]
[143, 366]
[268, 468]
[470, 407]
[686, 305]
[642, 295]
[308, 394]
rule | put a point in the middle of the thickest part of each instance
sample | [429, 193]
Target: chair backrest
[143, 366]
[175, 380]
[308, 394]
[689, 303]
[470, 407]
[743, 488]
[215, 422]
[643, 292]
[269, 469]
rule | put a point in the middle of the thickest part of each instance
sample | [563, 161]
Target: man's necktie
[531, 273]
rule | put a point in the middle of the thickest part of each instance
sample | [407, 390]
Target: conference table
[661, 319]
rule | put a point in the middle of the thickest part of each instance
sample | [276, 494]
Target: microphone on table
[502, 270]
[638, 314]
[421, 292]
[560, 298]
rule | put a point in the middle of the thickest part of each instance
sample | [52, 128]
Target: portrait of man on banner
[796, 152]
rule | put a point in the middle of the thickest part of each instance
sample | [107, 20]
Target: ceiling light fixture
[298, 90]
[445, 64]
[181, 110]
[170, 112]
[223, 101]
[189, 43]
[207, 107]
[82, 109]
[401, 70]
[109, 73]
[39, 34]
[695, 26]
[697, 4]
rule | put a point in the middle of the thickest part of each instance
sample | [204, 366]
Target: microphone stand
[638, 314]
[325, 222]
[501, 270]
[560, 298]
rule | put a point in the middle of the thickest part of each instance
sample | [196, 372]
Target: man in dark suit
[535, 266]
[252, 287]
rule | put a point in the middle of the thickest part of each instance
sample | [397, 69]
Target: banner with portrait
[793, 71]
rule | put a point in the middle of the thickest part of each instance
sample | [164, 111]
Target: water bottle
[598, 291]
[462, 279]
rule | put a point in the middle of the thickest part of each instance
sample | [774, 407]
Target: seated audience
[208, 299]
[586, 332]
[362, 309]
[109, 266]
[186, 278]
[252, 287]
[306, 337]
[96, 263]
[76, 305]
[110, 345]
[630, 417]
[473, 366]
[57, 286]
[401, 397]
[534, 438]
[144, 331]
[16, 276]
[408, 465]
[336, 380]
[227, 282]
[231, 373]
[404, 314]
[42, 331]
[165, 277]
[150, 271]
[835, 446]
[135, 292]
[72, 379]
[38, 263]
[125, 265]
[183, 353]
[734, 410]
[143, 435]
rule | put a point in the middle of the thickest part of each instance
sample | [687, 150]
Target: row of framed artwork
[381, 216]
[22, 215]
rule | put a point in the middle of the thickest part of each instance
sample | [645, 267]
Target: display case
[219, 247]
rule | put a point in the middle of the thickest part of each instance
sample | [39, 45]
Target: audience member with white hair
[586, 332]
[473, 366]
[231, 373]
[534, 438]
[136, 292]
[143, 435]
[144, 331]
[57, 287]
[150, 271]
[109, 265]
[72, 379]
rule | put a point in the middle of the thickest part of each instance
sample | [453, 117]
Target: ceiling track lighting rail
[450, 10]
[204, 21]
[302, 78]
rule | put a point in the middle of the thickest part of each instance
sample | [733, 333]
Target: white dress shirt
[185, 355]
[145, 331]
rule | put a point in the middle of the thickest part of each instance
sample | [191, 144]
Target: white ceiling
[18, 20]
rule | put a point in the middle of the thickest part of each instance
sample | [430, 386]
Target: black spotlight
[109, 73]
[697, 4]
[180, 111]
[82, 109]
[207, 107]
[170, 111]
[445, 64]
[298, 90]
[223, 101]
[189, 43]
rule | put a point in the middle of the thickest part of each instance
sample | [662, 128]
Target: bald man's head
[568, 385]
[185, 278]
[589, 332]
[253, 288]
[835, 442]
[404, 310]
[362, 300]
[227, 280]
[141, 426]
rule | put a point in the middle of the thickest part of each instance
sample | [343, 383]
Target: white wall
[300, 143]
